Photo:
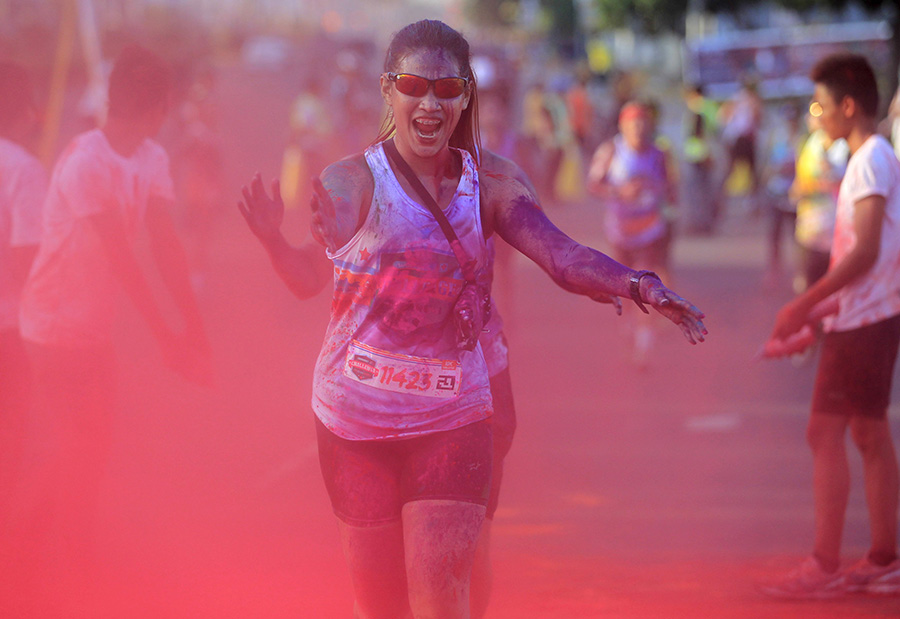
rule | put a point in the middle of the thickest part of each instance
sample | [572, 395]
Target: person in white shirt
[23, 186]
[861, 292]
[108, 184]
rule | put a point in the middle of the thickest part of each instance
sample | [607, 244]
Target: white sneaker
[865, 576]
[806, 582]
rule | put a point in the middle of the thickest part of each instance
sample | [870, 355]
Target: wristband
[634, 287]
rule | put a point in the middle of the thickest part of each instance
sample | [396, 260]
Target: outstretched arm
[304, 269]
[512, 212]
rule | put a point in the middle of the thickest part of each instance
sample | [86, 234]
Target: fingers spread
[256, 186]
[276, 189]
[689, 336]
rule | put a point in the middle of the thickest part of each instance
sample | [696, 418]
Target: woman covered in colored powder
[402, 404]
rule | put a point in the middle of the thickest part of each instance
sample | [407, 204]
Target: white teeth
[427, 127]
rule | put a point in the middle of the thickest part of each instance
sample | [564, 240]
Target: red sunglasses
[417, 86]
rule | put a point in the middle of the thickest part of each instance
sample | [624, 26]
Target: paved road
[658, 493]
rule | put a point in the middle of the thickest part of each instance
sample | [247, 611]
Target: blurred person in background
[312, 143]
[785, 142]
[542, 145]
[699, 139]
[109, 185]
[820, 168]
[405, 462]
[859, 296]
[23, 187]
[498, 134]
[740, 119]
[629, 174]
[581, 110]
[891, 124]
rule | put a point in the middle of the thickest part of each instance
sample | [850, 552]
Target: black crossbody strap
[467, 264]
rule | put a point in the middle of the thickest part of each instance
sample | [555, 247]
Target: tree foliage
[650, 16]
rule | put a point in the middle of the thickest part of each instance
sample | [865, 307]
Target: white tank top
[390, 366]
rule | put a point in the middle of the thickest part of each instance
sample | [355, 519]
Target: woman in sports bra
[403, 408]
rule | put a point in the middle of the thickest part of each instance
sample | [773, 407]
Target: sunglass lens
[412, 85]
[449, 87]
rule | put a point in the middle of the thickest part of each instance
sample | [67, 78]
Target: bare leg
[375, 557]
[831, 485]
[440, 539]
[873, 438]
[504, 427]
[482, 573]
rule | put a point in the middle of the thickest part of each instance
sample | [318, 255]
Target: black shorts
[503, 423]
[370, 481]
[856, 369]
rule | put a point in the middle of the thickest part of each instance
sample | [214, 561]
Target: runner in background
[629, 174]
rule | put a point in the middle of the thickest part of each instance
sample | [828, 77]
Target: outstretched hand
[263, 214]
[680, 311]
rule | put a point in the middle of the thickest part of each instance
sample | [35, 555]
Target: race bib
[432, 378]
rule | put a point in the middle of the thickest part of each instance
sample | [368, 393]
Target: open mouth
[427, 128]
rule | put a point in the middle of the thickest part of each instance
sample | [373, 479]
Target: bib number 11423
[435, 378]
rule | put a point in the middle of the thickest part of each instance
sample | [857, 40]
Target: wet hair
[848, 75]
[140, 82]
[16, 94]
[431, 34]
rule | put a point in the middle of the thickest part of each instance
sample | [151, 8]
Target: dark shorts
[855, 370]
[503, 423]
[370, 481]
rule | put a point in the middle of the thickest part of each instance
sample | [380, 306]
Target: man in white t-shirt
[23, 186]
[861, 290]
[107, 185]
